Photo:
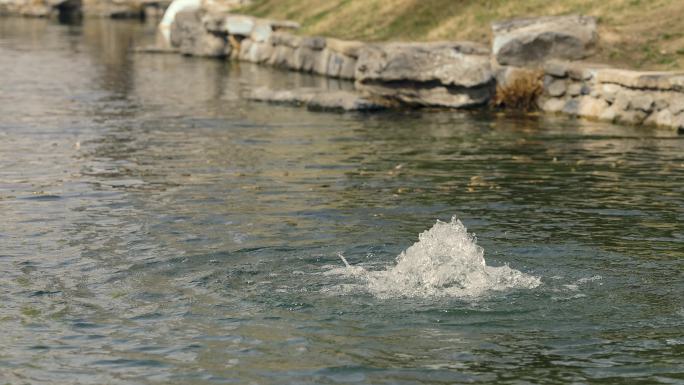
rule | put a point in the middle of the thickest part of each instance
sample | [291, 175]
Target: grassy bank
[634, 33]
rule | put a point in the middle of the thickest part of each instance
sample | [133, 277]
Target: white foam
[446, 261]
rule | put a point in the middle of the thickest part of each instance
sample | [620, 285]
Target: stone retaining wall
[267, 42]
[450, 74]
[437, 74]
[443, 74]
[620, 96]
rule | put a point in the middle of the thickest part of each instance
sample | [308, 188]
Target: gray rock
[609, 114]
[622, 101]
[609, 92]
[591, 107]
[335, 62]
[316, 43]
[676, 104]
[255, 52]
[261, 32]
[345, 47]
[556, 68]
[631, 117]
[580, 73]
[553, 105]
[661, 104]
[316, 99]
[532, 41]
[286, 39]
[664, 81]
[348, 69]
[304, 59]
[191, 38]
[571, 107]
[663, 118]
[298, 97]
[454, 75]
[321, 65]
[342, 100]
[239, 25]
[548, 79]
[574, 89]
[678, 121]
[283, 57]
[557, 88]
[641, 101]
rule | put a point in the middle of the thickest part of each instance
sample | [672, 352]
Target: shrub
[521, 91]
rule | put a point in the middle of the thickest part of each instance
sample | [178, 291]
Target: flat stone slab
[316, 99]
[531, 41]
[665, 81]
[577, 70]
[441, 74]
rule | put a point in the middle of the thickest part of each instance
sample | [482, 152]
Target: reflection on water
[158, 228]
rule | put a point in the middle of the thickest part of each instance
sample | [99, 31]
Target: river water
[159, 228]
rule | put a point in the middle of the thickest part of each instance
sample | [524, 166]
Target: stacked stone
[262, 41]
[627, 97]
[447, 74]
[270, 42]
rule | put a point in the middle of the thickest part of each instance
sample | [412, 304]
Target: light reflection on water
[157, 228]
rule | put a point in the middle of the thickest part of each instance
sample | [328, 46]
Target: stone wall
[449, 74]
[614, 95]
[270, 42]
[444, 74]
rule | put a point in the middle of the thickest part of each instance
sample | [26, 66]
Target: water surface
[158, 228]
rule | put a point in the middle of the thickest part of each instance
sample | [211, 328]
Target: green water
[158, 228]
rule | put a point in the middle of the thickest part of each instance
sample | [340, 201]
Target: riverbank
[634, 34]
[545, 63]
[532, 63]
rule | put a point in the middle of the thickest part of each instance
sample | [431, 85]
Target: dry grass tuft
[521, 92]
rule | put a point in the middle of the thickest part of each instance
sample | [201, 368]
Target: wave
[445, 262]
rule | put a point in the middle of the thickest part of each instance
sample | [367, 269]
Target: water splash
[446, 261]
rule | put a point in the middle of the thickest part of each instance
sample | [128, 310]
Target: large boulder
[445, 74]
[190, 37]
[525, 42]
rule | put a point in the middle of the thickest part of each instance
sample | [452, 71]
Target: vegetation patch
[521, 91]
